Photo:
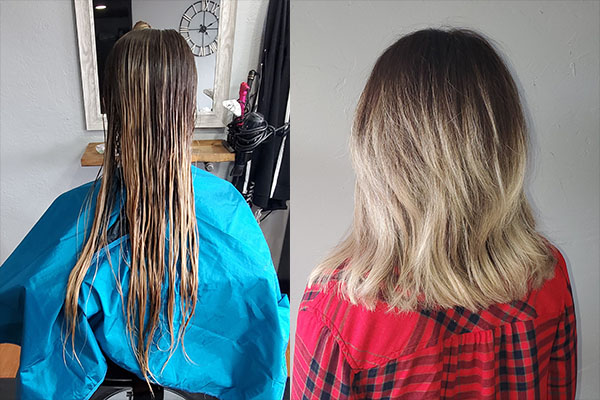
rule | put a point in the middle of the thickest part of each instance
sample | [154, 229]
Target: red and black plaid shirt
[522, 350]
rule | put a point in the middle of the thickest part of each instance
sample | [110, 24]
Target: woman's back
[236, 339]
[158, 266]
[522, 349]
[442, 230]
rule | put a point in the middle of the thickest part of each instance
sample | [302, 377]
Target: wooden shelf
[202, 151]
[9, 360]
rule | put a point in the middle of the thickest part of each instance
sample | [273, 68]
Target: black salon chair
[121, 384]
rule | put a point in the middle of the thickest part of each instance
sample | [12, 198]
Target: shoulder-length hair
[149, 96]
[439, 146]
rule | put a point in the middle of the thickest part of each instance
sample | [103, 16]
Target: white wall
[42, 124]
[553, 49]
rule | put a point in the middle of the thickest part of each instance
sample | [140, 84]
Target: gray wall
[553, 49]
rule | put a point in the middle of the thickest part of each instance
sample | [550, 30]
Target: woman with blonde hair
[443, 288]
[156, 267]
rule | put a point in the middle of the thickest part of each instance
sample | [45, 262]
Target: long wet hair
[149, 96]
[439, 146]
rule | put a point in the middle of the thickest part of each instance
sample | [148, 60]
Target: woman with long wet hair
[156, 267]
[443, 288]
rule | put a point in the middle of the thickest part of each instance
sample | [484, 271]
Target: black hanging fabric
[272, 103]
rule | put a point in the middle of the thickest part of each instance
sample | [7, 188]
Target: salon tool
[244, 135]
[233, 106]
[246, 132]
[244, 87]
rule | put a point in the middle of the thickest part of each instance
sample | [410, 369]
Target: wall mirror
[207, 25]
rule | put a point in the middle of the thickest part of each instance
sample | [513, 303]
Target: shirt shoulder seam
[328, 324]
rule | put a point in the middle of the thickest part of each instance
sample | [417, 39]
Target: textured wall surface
[42, 122]
[552, 47]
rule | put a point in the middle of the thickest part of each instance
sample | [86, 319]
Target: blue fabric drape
[236, 340]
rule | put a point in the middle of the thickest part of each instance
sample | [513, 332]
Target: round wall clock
[199, 26]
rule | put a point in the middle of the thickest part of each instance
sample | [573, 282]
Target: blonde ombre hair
[149, 96]
[439, 146]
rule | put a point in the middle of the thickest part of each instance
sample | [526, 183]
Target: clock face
[199, 27]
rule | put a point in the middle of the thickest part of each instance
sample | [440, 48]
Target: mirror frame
[94, 121]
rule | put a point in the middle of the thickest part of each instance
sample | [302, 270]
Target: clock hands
[203, 28]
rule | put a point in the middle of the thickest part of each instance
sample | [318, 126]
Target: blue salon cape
[236, 339]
